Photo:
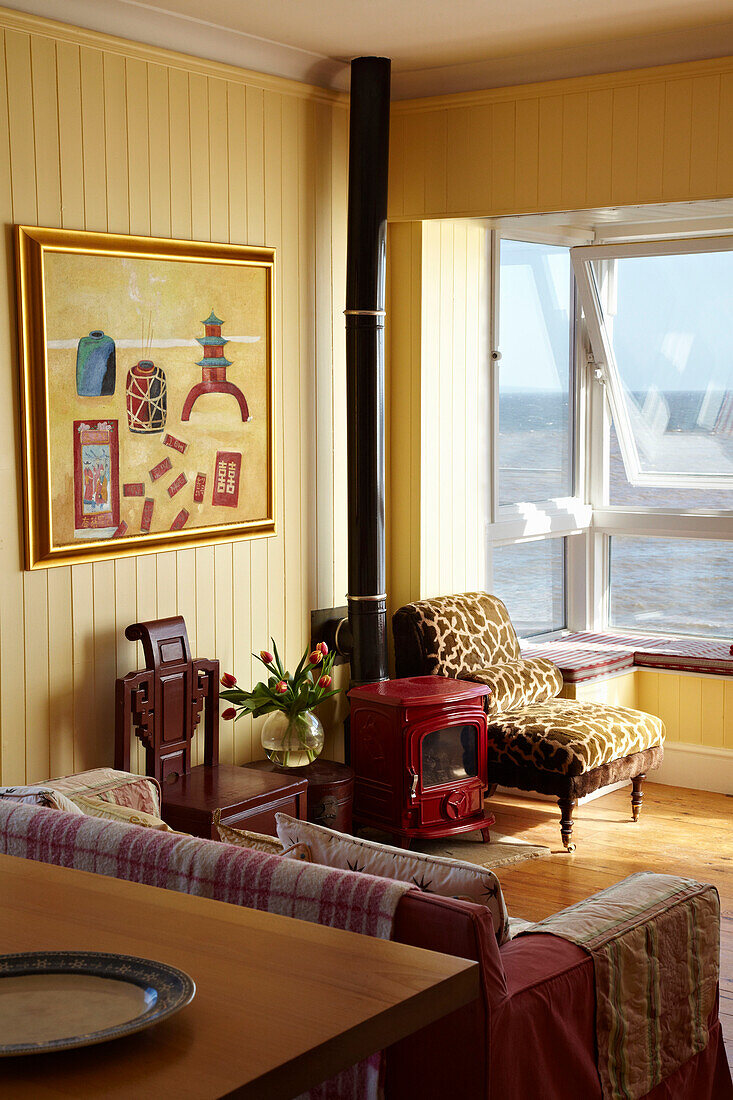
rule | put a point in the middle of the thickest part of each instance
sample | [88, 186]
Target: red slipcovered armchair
[531, 1035]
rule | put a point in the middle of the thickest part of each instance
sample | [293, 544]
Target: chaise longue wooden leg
[637, 796]
[567, 805]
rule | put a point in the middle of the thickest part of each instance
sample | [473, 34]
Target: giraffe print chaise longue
[537, 741]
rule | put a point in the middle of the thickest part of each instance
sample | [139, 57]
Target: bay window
[612, 435]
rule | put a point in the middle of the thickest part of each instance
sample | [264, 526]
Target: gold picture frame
[139, 434]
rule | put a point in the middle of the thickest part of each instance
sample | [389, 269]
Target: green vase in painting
[96, 366]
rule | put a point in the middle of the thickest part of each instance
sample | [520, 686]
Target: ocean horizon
[663, 585]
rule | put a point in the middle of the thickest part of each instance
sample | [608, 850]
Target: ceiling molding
[609, 56]
[685, 70]
[135, 28]
[192, 40]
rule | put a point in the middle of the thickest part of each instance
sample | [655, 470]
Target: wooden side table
[247, 799]
[330, 790]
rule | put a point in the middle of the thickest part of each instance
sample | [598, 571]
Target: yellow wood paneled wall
[403, 344]
[454, 409]
[653, 135]
[100, 134]
[697, 710]
[617, 691]
[437, 408]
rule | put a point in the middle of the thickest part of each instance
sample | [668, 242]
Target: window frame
[607, 519]
[568, 517]
[602, 358]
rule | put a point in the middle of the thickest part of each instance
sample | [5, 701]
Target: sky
[672, 328]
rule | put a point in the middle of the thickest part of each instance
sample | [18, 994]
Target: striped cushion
[140, 792]
[110, 811]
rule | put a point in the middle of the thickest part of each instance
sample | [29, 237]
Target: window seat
[584, 656]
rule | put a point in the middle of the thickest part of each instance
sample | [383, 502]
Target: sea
[658, 585]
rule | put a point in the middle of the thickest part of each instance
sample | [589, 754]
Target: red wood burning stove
[418, 748]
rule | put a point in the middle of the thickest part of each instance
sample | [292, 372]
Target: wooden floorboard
[680, 832]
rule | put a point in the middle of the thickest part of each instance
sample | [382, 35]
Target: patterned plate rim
[174, 988]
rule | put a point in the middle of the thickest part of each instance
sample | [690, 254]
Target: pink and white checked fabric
[206, 868]
[210, 869]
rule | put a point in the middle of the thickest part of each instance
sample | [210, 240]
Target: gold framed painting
[147, 393]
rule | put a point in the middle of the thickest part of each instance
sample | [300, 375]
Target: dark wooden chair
[163, 704]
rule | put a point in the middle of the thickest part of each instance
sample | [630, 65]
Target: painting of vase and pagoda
[149, 385]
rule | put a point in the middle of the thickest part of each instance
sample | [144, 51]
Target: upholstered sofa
[536, 740]
[529, 1034]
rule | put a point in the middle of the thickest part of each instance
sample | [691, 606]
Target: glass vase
[293, 741]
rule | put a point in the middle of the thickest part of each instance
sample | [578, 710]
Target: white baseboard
[699, 767]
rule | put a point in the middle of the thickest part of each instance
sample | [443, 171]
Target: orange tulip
[281, 688]
[324, 682]
[266, 656]
[314, 657]
[323, 648]
[228, 680]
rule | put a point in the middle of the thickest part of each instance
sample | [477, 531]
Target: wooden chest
[247, 799]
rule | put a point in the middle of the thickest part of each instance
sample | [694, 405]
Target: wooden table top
[227, 785]
[280, 1004]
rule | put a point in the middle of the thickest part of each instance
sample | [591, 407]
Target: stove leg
[486, 836]
[404, 841]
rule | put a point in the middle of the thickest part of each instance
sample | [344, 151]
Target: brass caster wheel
[570, 847]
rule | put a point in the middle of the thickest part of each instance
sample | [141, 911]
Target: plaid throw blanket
[210, 869]
[655, 944]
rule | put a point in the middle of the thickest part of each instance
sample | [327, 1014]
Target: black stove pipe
[365, 279]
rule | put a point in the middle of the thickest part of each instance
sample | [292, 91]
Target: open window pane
[622, 494]
[535, 313]
[662, 323]
[530, 578]
[674, 586]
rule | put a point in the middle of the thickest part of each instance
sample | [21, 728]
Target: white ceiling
[436, 46]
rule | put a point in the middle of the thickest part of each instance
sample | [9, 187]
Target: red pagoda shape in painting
[214, 369]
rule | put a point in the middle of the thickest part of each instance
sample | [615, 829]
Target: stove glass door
[449, 755]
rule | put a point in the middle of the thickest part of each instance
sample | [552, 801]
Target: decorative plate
[58, 1000]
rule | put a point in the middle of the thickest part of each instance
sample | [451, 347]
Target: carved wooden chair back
[164, 701]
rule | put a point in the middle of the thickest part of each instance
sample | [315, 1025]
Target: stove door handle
[413, 788]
